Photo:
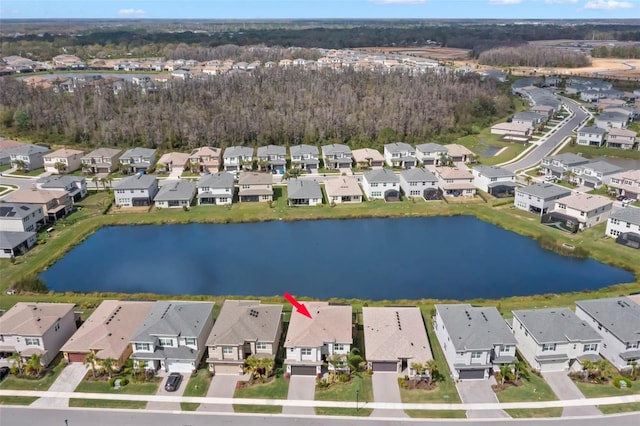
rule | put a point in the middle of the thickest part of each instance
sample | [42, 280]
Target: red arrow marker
[299, 306]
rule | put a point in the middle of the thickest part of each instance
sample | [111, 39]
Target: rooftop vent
[253, 313]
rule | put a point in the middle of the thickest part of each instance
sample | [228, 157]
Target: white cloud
[399, 1]
[560, 1]
[131, 12]
[608, 4]
[504, 2]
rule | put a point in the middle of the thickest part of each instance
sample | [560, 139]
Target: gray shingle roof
[418, 175]
[271, 150]
[138, 152]
[568, 159]
[475, 328]
[336, 148]
[381, 176]
[216, 180]
[136, 181]
[629, 214]
[17, 210]
[27, 149]
[396, 147]
[304, 149]
[493, 171]
[544, 190]
[619, 315]
[237, 151]
[529, 115]
[555, 325]
[10, 240]
[59, 181]
[430, 147]
[303, 189]
[602, 167]
[612, 116]
[592, 129]
[242, 321]
[180, 190]
[171, 318]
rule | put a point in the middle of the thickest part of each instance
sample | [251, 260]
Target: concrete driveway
[68, 380]
[222, 386]
[479, 391]
[385, 389]
[564, 388]
[172, 406]
[301, 388]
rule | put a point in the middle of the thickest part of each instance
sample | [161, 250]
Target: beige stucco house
[70, 158]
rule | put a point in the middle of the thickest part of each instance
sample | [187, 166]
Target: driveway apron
[479, 391]
[172, 406]
[68, 380]
[385, 389]
[301, 388]
[565, 389]
[222, 386]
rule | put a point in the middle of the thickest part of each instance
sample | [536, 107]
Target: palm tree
[263, 164]
[60, 167]
[633, 365]
[527, 179]
[505, 373]
[108, 365]
[142, 365]
[34, 365]
[569, 174]
[355, 361]
[90, 361]
[434, 371]
[17, 361]
[519, 369]
[95, 180]
[419, 368]
[126, 168]
[258, 368]
[292, 174]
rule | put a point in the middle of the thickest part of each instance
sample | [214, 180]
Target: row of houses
[176, 336]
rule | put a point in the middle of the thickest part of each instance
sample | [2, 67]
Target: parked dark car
[173, 382]
[4, 371]
[620, 197]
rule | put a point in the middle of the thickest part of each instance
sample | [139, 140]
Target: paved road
[385, 389]
[67, 381]
[26, 416]
[479, 391]
[222, 386]
[564, 388]
[301, 388]
[554, 140]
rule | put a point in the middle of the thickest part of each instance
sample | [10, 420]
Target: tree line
[624, 52]
[528, 56]
[269, 106]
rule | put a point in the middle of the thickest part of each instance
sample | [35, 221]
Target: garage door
[227, 369]
[76, 357]
[303, 370]
[178, 367]
[471, 374]
[384, 366]
[553, 366]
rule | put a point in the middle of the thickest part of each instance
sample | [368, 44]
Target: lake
[457, 257]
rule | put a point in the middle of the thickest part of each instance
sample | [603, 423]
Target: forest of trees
[624, 52]
[280, 106]
[529, 56]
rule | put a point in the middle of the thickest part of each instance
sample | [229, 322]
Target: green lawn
[16, 400]
[13, 382]
[34, 172]
[527, 413]
[337, 411]
[590, 390]
[260, 409]
[276, 389]
[5, 167]
[197, 386]
[532, 389]
[619, 408]
[443, 414]
[106, 403]
[143, 388]
[347, 391]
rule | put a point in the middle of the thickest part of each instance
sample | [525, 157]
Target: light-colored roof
[60, 181]
[103, 153]
[28, 149]
[528, 115]
[632, 175]
[63, 153]
[366, 154]
[33, 196]
[628, 215]
[237, 151]
[271, 150]
[109, 328]
[545, 108]
[32, 319]
[206, 151]
[396, 147]
[602, 167]
[475, 328]
[342, 186]
[381, 176]
[430, 147]
[216, 180]
[242, 321]
[511, 127]
[544, 190]
[137, 181]
[303, 189]
[568, 159]
[555, 325]
[16, 211]
[329, 323]
[173, 318]
[418, 175]
[457, 150]
[9, 143]
[180, 190]
[175, 158]
[619, 315]
[394, 333]
[622, 132]
[138, 152]
[335, 148]
[453, 173]
[304, 149]
[253, 178]
[585, 202]
[493, 171]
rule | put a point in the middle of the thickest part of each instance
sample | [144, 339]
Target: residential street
[564, 388]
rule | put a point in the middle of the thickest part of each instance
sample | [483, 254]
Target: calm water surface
[437, 257]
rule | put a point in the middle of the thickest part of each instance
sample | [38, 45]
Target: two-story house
[255, 187]
[75, 186]
[431, 154]
[14, 243]
[18, 226]
[494, 180]
[624, 224]
[62, 161]
[400, 154]
[512, 131]
[272, 158]
[621, 138]
[585, 210]
[456, 182]
[172, 161]
[418, 183]
[310, 342]
[626, 183]
[175, 194]
[590, 136]
[28, 157]
[107, 331]
[611, 119]
[395, 338]
[476, 341]
[135, 191]
[544, 110]
[101, 160]
[381, 184]
[206, 158]
[367, 158]
[236, 158]
[137, 159]
[616, 319]
[594, 175]
[173, 336]
[558, 165]
[303, 193]
[36, 329]
[336, 156]
[555, 339]
[305, 157]
[215, 189]
[243, 328]
[460, 153]
[5, 150]
[343, 189]
[54, 204]
[539, 198]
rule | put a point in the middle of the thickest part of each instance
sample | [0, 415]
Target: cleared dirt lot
[438, 53]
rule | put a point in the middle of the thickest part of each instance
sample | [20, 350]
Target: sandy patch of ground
[438, 53]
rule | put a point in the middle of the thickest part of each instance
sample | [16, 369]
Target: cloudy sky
[273, 9]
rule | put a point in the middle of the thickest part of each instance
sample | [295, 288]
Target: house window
[338, 347]
[591, 347]
[142, 347]
[632, 345]
[31, 341]
[227, 350]
[305, 351]
[548, 347]
[1, 338]
[165, 342]
[261, 345]
[476, 355]
[223, 200]
[190, 341]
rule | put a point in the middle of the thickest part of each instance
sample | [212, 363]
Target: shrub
[343, 378]
[29, 283]
[124, 381]
[322, 383]
[617, 382]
